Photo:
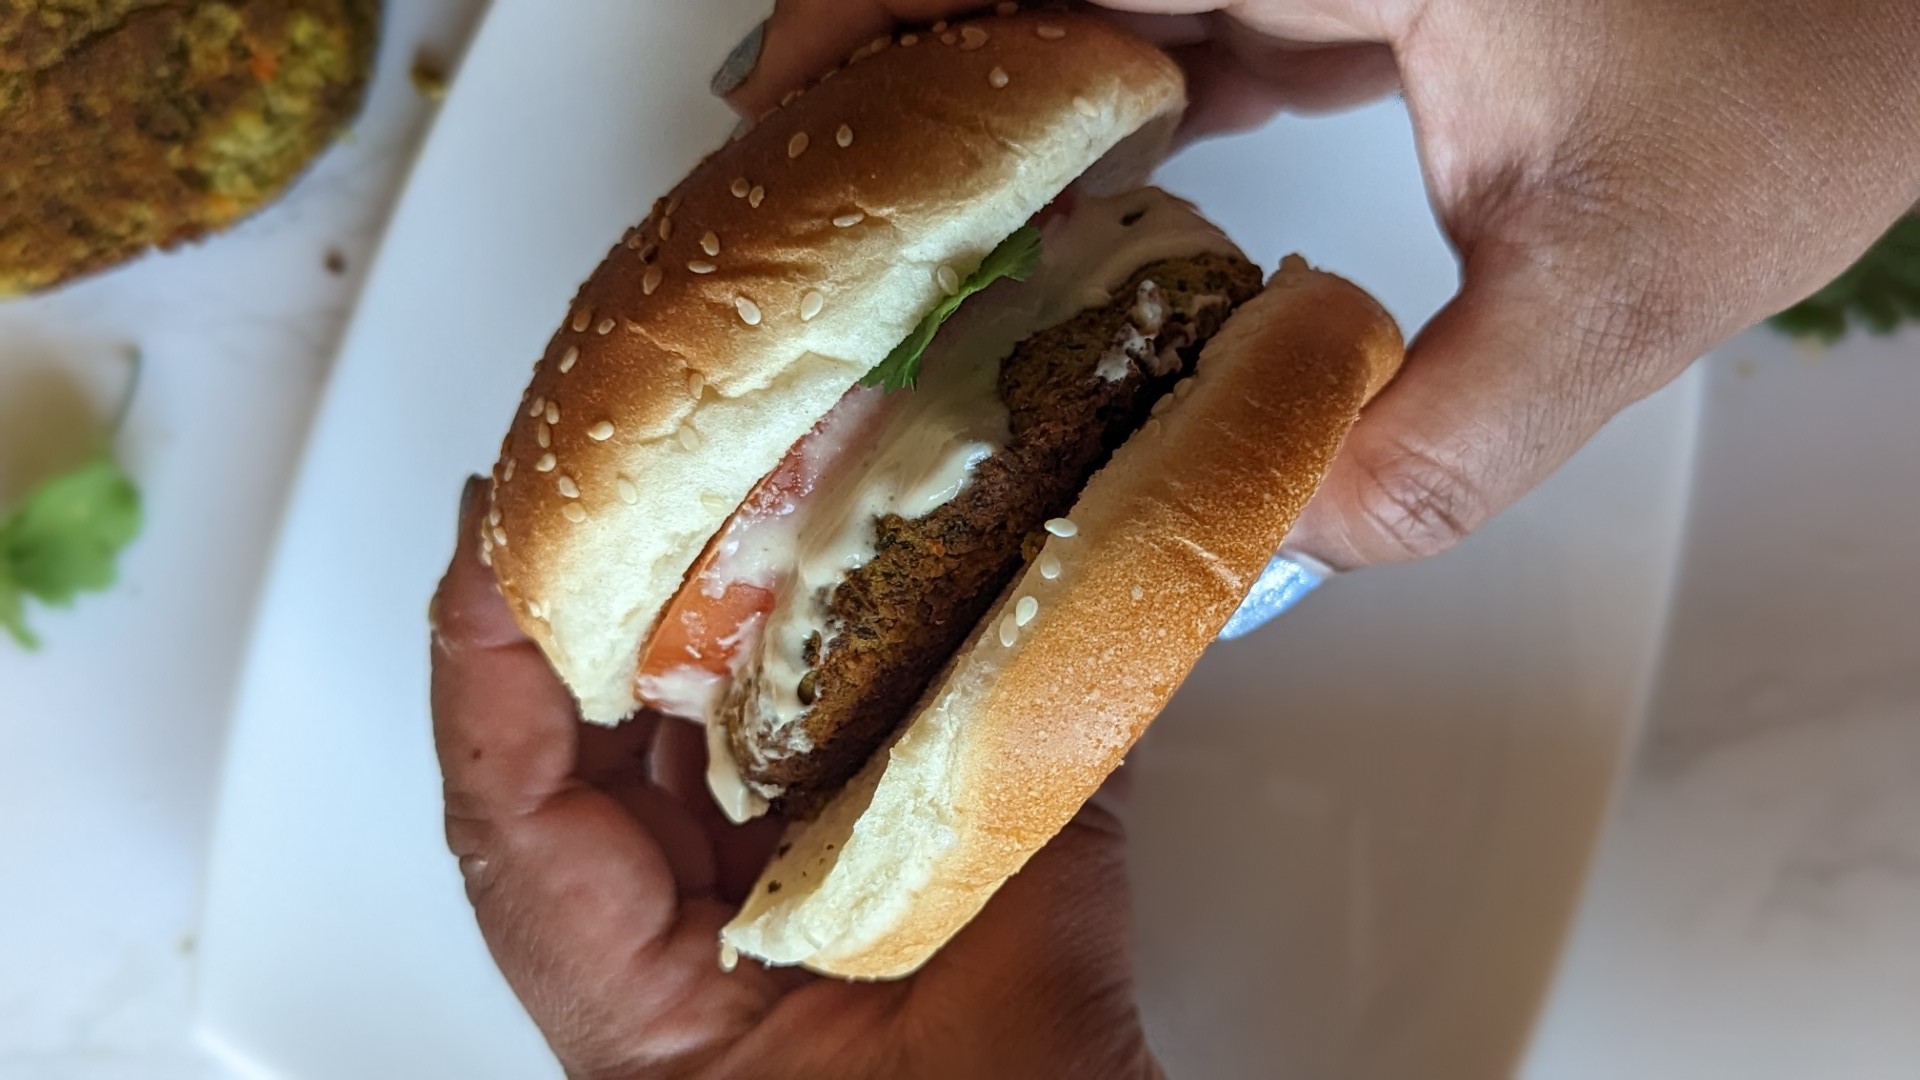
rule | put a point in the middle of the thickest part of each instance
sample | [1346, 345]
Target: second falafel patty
[130, 124]
[1073, 394]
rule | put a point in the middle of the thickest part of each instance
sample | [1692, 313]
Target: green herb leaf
[1017, 257]
[13, 618]
[1882, 291]
[65, 539]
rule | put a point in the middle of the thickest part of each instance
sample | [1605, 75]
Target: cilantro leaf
[12, 616]
[1017, 257]
[1882, 290]
[64, 540]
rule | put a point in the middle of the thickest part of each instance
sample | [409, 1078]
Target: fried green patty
[132, 124]
[1073, 393]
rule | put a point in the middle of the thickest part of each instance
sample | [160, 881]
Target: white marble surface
[111, 738]
[1755, 911]
[1756, 908]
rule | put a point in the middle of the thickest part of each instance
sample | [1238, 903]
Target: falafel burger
[916, 454]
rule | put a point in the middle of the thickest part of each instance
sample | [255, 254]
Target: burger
[915, 452]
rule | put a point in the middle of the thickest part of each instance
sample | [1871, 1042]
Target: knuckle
[1420, 503]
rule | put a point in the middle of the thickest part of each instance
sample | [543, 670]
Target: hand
[601, 873]
[1628, 183]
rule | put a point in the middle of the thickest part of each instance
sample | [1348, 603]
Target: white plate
[1359, 833]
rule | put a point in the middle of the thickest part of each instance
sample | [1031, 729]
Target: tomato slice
[710, 621]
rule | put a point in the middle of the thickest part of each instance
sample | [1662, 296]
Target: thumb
[1505, 384]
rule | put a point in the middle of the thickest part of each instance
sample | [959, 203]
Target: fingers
[1503, 386]
[805, 38]
[504, 726]
[579, 893]
[1315, 56]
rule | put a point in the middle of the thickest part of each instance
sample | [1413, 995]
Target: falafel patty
[1073, 395]
[132, 124]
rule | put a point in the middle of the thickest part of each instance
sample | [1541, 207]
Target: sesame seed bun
[763, 288]
[1162, 546]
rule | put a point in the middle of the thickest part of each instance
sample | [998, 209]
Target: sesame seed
[879, 44]
[1063, 528]
[486, 555]
[1086, 108]
[1182, 388]
[1150, 428]
[581, 319]
[506, 474]
[546, 463]
[714, 501]
[798, 144]
[601, 431]
[537, 609]
[567, 487]
[810, 306]
[1050, 567]
[749, 311]
[493, 516]
[569, 358]
[740, 187]
[539, 406]
[972, 37]
[574, 512]
[848, 221]
[1050, 32]
[544, 434]
[909, 40]
[605, 327]
[1025, 610]
[998, 78]
[1162, 405]
[666, 229]
[948, 281]
[940, 27]
[844, 136]
[701, 266]
[1139, 593]
[673, 204]
[789, 98]
[949, 38]
[1007, 7]
[710, 243]
[553, 412]
[500, 537]
[756, 197]
[633, 240]
[689, 438]
[628, 493]
[696, 385]
[652, 280]
[1009, 631]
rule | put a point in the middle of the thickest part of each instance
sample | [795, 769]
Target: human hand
[601, 872]
[1628, 183]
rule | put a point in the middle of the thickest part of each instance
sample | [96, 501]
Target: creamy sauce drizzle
[905, 454]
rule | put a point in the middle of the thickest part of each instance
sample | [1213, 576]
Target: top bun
[763, 288]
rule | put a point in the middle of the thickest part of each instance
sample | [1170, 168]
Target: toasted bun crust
[775, 276]
[1011, 741]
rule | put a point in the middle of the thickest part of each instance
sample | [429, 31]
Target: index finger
[503, 725]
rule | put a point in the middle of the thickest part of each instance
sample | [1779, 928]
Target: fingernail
[1286, 581]
[469, 492]
[740, 62]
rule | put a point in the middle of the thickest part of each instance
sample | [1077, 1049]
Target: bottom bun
[1067, 671]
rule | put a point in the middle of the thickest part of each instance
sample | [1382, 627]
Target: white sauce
[908, 454]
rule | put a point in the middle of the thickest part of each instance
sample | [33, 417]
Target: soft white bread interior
[1013, 738]
[761, 289]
